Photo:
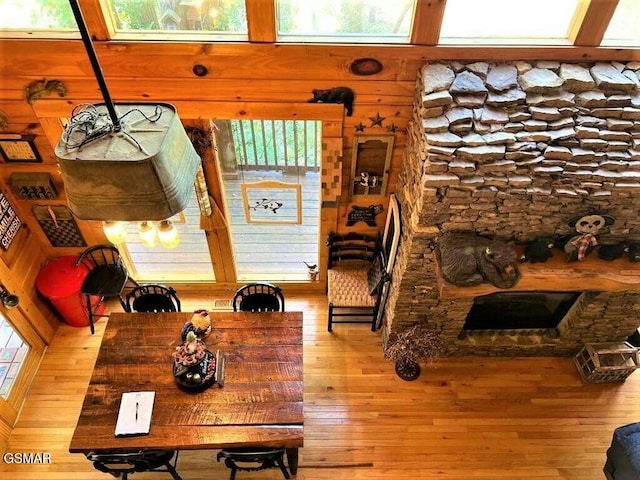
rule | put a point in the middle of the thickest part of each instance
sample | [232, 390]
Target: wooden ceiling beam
[261, 20]
[427, 22]
[95, 14]
[590, 22]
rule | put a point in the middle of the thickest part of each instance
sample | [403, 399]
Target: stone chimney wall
[515, 151]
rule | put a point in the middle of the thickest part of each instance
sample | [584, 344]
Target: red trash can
[60, 281]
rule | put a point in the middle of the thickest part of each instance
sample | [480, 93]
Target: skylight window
[505, 21]
[624, 28]
[345, 21]
[216, 19]
[32, 16]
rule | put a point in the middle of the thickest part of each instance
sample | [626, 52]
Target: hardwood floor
[464, 418]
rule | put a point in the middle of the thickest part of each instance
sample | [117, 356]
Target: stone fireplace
[514, 151]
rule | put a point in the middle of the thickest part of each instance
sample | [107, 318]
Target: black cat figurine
[343, 95]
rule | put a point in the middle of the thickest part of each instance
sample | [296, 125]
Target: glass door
[270, 172]
[148, 260]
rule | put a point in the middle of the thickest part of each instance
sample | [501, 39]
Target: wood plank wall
[240, 74]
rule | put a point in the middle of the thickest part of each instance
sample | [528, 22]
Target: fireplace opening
[519, 310]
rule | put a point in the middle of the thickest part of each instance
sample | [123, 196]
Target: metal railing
[277, 144]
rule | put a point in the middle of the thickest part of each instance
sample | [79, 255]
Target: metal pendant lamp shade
[125, 161]
[144, 171]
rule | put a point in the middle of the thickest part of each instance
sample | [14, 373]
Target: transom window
[624, 28]
[219, 19]
[460, 22]
[30, 16]
[502, 21]
[345, 21]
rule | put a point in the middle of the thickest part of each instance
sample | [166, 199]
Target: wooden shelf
[556, 274]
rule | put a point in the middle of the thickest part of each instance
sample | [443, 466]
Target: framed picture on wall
[19, 148]
[10, 223]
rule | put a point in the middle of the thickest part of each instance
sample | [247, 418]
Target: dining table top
[260, 404]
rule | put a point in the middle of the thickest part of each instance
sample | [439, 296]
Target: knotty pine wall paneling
[245, 74]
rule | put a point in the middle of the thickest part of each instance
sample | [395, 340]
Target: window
[502, 21]
[190, 261]
[218, 19]
[13, 351]
[344, 21]
[36, 16]
[624, 28]
[274, 230]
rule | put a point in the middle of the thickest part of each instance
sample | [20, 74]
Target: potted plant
[411, 346]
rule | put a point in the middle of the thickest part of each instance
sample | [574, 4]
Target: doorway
[270, 175]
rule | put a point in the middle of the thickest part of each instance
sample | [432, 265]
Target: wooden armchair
[357, 272]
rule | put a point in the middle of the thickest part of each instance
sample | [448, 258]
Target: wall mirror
[370, 164]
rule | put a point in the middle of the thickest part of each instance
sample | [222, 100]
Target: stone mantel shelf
[556, 274]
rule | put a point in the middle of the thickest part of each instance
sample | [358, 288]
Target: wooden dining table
[260, 404]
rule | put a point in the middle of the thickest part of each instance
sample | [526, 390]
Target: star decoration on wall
[359, 127]
[377, 120]
[392, 128]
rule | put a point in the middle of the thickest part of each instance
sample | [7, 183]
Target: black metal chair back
[253, 459]
[121, 464]
[153, 298]
[106, 278]
[258, 297]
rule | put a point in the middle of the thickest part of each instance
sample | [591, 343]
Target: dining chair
[355, 276]
[152, 298]
[253, 459]
[258, 297]
[121, 464]
[107, 277]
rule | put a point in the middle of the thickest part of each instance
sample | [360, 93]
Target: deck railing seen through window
[290, 145]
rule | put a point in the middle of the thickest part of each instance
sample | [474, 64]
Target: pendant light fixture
[115, 231]
[126, 161]
[168, 235]
[147, 232]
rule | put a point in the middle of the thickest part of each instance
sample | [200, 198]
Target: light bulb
[168, 234]
[147, 232]
[115, 231]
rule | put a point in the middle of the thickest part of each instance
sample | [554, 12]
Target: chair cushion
[348, 286]
[624, 453]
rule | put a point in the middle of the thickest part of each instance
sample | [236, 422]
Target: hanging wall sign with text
[9, 222]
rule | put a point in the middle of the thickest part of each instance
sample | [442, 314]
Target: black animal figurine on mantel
[610, 252]
[633, 252]
[343, 95]
[538, 251]
[467, 259]
[587, 226]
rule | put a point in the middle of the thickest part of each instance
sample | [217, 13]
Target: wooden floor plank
[464, 418]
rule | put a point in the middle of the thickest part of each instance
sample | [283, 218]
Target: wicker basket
[607, 362]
